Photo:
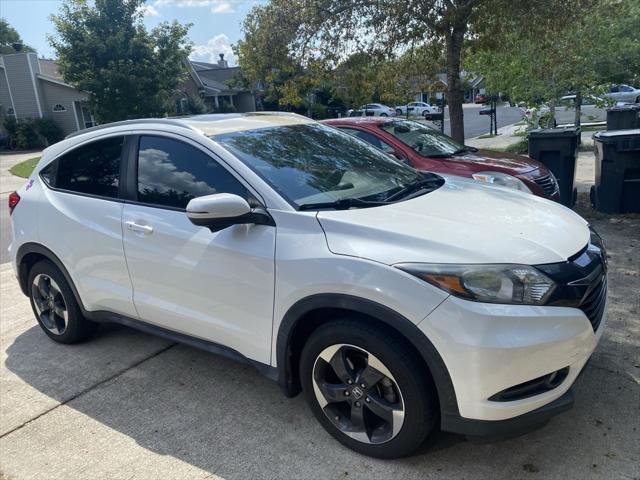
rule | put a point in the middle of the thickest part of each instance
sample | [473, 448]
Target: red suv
[425, 148]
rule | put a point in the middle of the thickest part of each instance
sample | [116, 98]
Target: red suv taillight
[14, 199]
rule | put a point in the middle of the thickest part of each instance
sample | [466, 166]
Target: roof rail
[162, 121]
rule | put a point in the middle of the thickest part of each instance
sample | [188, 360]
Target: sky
[216, 23]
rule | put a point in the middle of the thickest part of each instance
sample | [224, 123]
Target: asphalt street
[476, 124]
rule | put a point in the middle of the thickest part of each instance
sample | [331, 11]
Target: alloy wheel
[358, 394]
[50, 305]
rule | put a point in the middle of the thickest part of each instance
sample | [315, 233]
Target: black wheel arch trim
[411, 333]
[32, 247]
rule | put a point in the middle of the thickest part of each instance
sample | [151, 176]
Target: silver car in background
[592, 110]
[623, 93]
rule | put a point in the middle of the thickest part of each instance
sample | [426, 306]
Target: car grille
[548, 183]
[594, 301]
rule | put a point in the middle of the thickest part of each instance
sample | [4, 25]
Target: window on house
[59, 108]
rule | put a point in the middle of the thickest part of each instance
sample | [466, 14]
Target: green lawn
[24, 169]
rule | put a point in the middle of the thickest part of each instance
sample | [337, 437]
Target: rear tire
[54, 305]
[391, 406]
[383, 115]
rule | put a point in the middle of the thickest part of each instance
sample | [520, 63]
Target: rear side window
[171, 173]
[92, 169]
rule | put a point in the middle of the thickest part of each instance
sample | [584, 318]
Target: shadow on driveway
[227, 419]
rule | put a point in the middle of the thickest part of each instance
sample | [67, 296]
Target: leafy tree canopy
[9, 36]
[103, 48]
[581, 46]
[327, 33]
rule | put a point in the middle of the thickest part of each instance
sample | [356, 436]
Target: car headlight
[510, 284]
[501, 179]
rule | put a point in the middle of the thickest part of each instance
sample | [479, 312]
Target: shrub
[32, 132]
[319, 111]
[195, 105]
[48, 129]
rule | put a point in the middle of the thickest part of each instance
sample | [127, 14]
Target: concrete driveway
[127, 405]
[9, 183]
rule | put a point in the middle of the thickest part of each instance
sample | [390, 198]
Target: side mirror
[222, 210]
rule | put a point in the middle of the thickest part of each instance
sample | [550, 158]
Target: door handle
[136, 227]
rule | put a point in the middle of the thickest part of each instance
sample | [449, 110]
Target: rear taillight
[14, 199]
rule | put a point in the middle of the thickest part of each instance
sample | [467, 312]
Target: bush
[319, 111]
[195, 105]
[32, 133]
[48, 129]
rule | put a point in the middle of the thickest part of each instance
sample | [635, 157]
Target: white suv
[397, 301]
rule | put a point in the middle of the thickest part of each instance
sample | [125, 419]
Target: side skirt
[211, 347]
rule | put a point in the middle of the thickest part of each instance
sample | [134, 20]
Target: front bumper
[510, 427]
[489, 348]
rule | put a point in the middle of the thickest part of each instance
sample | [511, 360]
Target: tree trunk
[455, 94]
[551, 121]
[578, 108]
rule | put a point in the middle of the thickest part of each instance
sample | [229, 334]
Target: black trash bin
[556, 148]
[617, 188]
[623, 117]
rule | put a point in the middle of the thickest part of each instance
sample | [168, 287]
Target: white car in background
[418, 109]
[372, 110]
[624, 94]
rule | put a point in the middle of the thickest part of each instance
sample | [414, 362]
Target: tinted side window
[369, 138]
[171, 173]
[92, 168]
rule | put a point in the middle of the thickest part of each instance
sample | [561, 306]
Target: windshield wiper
[342, 204]
[429, 183]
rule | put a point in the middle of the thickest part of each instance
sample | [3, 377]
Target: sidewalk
[506, 137]
[8, 182]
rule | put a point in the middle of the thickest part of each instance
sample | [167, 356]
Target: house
[215, 83]
[436, 89]
[32, 87]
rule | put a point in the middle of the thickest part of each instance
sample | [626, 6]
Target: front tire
[55, 306]
[367, 389]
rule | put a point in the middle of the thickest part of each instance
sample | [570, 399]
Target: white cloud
[213, 48]
[222, 7]
[217, 6]
[149, 11]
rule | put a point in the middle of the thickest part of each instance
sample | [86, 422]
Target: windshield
[313, 163]
[424, 140]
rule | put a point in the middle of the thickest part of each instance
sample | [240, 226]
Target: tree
[331, 30]
[582, 46]
[9, 36]
[105, 50]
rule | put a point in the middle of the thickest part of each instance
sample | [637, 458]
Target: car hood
[461, 222]
[500, 161]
